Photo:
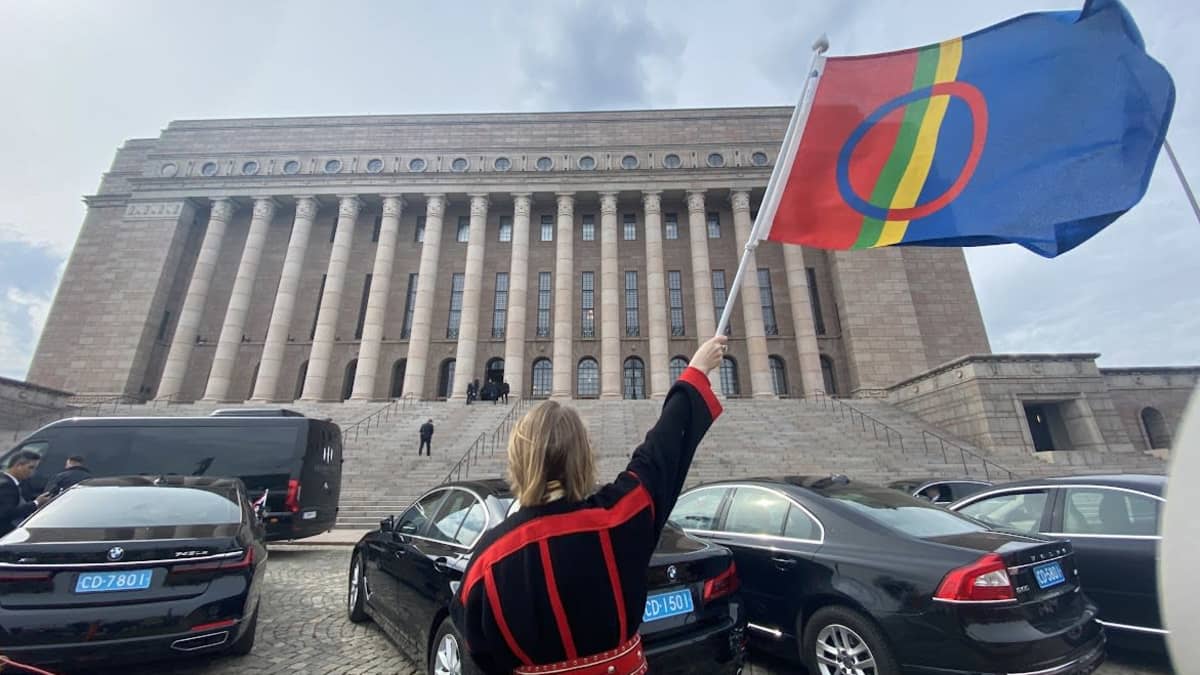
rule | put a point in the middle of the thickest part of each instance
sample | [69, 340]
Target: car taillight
[217, 567]
[984, 580]
[723, 584]
[292, 501]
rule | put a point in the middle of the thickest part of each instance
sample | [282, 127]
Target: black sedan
[940, 491]
[1113, 524]
[404, 574]
[133, 568]
[863, 580]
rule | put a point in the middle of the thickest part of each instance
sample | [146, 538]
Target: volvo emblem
[672, 573]
[116, 553]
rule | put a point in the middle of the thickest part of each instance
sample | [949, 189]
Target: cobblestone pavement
[303, 628]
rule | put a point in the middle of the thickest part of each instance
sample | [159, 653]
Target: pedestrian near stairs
[426, 438]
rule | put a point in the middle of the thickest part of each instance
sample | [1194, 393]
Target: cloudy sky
[79, 78]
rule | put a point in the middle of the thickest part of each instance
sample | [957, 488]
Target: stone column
[184, 339]
[656, 296]
[610, 303]
[367, 369]
[706, 323]
[564, 297]
[331, 301]
[802, 321]
[266, 387]
[219, 378]
[418, 339]
[756, 337]
[468, 325]
[518, 292]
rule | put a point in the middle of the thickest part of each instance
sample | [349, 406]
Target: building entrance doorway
[495, 371]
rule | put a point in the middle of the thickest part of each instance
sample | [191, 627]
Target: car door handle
[440, 565]
[784, 563]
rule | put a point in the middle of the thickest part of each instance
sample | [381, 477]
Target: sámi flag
[1038, 131]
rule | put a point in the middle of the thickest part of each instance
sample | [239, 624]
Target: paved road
[303, 629]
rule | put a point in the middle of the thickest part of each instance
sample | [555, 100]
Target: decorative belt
[628, 659]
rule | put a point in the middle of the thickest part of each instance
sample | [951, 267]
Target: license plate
[1048, 575]
[671, 603]
[101, 582]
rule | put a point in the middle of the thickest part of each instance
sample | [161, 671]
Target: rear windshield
[901, 512]
[111, 506]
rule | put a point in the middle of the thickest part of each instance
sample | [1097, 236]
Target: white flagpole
[1187, 188]
[779, 175]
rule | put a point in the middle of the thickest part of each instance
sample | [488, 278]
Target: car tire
[449, 655]
[356, 594]
[245, 644]
[838, 640]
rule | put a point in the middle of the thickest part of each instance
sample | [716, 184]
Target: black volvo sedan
[404, 575]
[864, 580]
[133, 568]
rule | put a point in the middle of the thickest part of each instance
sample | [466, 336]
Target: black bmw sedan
[863, 580]
[133, 568]
[404, 574]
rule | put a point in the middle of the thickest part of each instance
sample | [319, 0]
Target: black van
[298, 459]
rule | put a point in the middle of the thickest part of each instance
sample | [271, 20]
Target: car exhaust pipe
[191, 644]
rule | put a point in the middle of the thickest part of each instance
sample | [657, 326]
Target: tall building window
[419, 233]
[505, 228]
[778, 375]
[543, 307]
[464, 229]
[719, 295]
[378, 226]
[410, 304]
[589, 227]
[543, 378]
[362, 308]
[675, 298]
[587, 317]
[587, 378]
[630, 227]
[767, 298]
[678, 365]
[317, 313]
[547, 228]
[671, 225]
[714, 225]
[635, 378]
[500, 306]
[814, 299]
[446, 378]
[729, 377]
[632, 328]
[456, 293]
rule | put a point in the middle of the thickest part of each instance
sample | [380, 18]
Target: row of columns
[266, 384]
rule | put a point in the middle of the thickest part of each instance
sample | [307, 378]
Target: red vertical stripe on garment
[700, 381]
[614, 579]
[560, 615]
[489, 583]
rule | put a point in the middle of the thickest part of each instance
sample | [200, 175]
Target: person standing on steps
[426, 438]
[471, 392]
[582, 550]
[504, 391]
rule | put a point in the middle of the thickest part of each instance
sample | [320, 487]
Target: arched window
[1157, 434]
[635, 378]
[678, 365]
[300, 381]
[397, 388]
[827, 375]
[587, 378]
[495, 370]
[543, 378]
[778, 375]
[348, 380]
[446, 379]
[729, 377]
[253, 379]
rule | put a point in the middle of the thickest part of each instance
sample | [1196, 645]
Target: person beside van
[14, 508]
[74, 472]
[426, 438]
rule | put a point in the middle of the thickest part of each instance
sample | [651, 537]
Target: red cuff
[699, 380]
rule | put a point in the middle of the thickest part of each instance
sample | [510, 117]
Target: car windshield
[111, 506]
[901, 512]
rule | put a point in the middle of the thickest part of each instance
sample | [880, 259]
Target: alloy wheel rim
[355, 571]
[841, 651]
[449, 659]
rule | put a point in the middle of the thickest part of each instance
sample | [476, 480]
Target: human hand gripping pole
[710, 353]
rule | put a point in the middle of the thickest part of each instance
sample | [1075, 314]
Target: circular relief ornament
[545, 164]
[672, 161]
[208, 169]
[250, 168]
[291, 166]
[629, 162]
[502, 164]
[416, 164]
[587, 162]
[459, 165]
[375, 165]
[759, 159]
[169, 170]
[716, 159]
[333, 166]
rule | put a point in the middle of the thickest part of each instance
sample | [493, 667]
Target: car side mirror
[387, 524]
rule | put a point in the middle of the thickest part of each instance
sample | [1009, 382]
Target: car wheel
[245, 644]
[356, 597]
[449, 655]
[841, 641]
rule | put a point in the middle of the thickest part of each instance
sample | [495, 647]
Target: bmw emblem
[672, 573]
[116, 553]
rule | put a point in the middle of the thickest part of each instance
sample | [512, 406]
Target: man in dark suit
[504, 391]
[426, 438]
[74, 472]
[13, 507]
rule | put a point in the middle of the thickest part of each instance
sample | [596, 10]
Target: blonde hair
[550, 443]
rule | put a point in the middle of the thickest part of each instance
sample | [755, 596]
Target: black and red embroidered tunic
[567, 580]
